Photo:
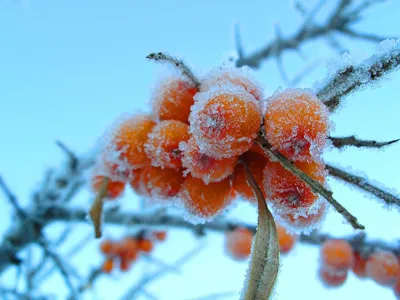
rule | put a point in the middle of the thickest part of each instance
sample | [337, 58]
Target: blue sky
[70, 68]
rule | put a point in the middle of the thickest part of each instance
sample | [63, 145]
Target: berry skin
[256, 163]
[225, 121]
[136, 182]
[173, 99]
[286, 240]
[204, 167]
[114, 188]
[145, 245]
[161, 183]
[235, 76]
[128, 249]
[296, 124]
[205, 201]
[107, 247]
[238, 243]
[286, 191]
[359, 265]
[160, 235]
[162, 146]
[128, 142]
[337, 255]
[108, 266]
[332, 278]
[383, 267]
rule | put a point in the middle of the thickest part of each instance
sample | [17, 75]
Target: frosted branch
[340, 142]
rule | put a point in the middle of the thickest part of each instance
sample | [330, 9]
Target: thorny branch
[340, 142]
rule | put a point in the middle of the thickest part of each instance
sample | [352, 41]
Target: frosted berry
[238, 243]
[286, 240]
[161, 183]
[114, 188]
[108, 266]
[383, 267]
[337, 255]
[359, 265]
[332, 278]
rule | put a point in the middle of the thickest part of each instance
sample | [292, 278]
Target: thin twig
[12, 199]
[340, 142]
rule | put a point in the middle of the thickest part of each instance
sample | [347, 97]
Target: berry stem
[96, 211]
[162, 57]
[315, 186]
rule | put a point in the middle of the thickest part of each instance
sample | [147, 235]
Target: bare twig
[12, 199]
[363, 184]
[162, 57]
[73, 159]
[340, 142]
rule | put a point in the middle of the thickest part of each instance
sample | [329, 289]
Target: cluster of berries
[238, 242]
[124, 252]
[192, 146]
[338, 257]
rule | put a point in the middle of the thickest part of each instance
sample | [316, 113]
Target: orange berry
[359, 265]
[256, 163]
[332, 278]
[286, 191]
[173, 99]
[204, 167]
[238, 243]
[124, 264]
[162, 146]
[337, 255]
[160, 235]
[129, 249]
[205, 201]
[383, 267]
[236, 76]
[145, 245]
[128, 140]
[136, 181]
[161, 183]
[258, 149]
[107, 247]
[114, 188]
[108, 265]
[296, 124]
[286, 240]
[225, 121]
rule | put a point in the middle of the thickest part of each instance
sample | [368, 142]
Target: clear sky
[69, 68]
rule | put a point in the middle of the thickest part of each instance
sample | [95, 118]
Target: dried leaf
[96, 211]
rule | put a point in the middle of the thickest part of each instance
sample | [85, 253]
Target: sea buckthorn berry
[383, 267]
[126, 148]
[114, 188]
[359, 265]
[332, 278]
[107, 247]
[225, 121]
[129, 249]
[236, 76]
[108, 266]
[205, 201]
[205, 167]
[124, 264]
[162, 146]
[161, 183]
[286, 191]
[258, 149]
[256, 163]
[160, 235]
[238, 243]
[145, 245]
[136, 182]
[286, 240]
[336, 255]
[296, 124]
[173, 98]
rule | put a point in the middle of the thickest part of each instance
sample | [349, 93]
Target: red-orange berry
[160, 235]
[238, 243]
[126, 147]
[107, 247]
[383, 267]
[108, 265]
[286, 240]
[359, 265]
[332, 278]
[161, 183]
[225, 121]
[205, 167]
[124, 264]
[114, 188]
[256, 163]
[129, 249]
[145, 245]
[286, 191]
[230, 75]
[136, 182]
[296, 124]
[337, 255]
[205, 201]
[173, 98]
[162, 146]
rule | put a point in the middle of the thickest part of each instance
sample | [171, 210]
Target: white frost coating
[242, 76]
[208, 122]
[360, 73]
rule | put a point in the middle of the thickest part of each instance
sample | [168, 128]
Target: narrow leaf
[96, 211]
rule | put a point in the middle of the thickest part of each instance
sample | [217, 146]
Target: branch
[12, 199]
[340, 142]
